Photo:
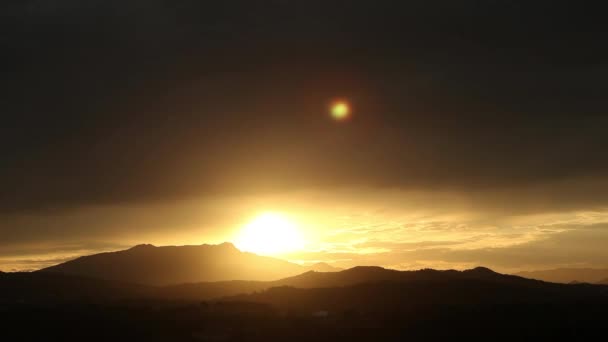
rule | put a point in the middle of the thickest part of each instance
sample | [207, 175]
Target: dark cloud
[110, 102]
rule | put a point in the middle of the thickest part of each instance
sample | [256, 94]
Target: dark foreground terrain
[360, 304]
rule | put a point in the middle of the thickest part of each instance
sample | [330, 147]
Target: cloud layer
[485, 110]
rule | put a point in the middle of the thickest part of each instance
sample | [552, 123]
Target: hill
[442, 306]
[323, 267]
[568, 275]
[53, 286]
[158, 266]
[441, 290]
[57, 286]
[349, 277]
[358, 304]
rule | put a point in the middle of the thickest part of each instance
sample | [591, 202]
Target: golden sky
[345, 227]
[393, 134]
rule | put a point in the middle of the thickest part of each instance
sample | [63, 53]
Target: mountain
[209, 272]
[375, 274]
[324, 267]
[349, 277]
[310, 279]
[603, 282]
[54, 286]
[358, 304]
[151, 265]
[421, 289]
[433, 305]
[568, 275]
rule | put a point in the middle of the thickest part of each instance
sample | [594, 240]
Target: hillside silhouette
[374, 288]
[358, 304]
[353, 276]
[56, 287]
[568, 275]
[151, 265]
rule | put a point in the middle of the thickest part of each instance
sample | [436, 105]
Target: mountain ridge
[53, 286]
[365, 302]
[346, 278]
[568, 275]
[147, 264]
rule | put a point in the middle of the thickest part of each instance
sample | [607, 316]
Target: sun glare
[269, 234]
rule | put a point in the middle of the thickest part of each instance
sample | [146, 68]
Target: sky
[477, 134]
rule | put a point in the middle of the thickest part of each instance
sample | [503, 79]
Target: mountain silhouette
[375, 274]
[358, 304]
[48, 285]
[568, 275]
[323, 267]
[55, 286]
[370, 290]
[353, 276]
[151, 265]
[210, 272]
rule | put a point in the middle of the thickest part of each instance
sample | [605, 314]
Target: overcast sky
[478, 134]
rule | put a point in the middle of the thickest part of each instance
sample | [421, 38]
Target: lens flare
[340, 110]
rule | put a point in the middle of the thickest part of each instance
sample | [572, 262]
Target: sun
[269, 234]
